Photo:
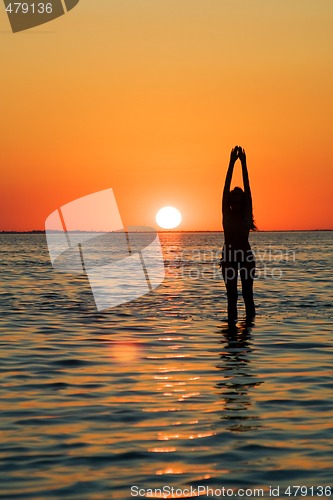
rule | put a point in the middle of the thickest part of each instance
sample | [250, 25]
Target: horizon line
[43, 231]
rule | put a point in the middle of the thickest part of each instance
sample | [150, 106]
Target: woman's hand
[234, 155]
[242, 155]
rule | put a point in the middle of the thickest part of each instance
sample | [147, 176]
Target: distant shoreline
[36, 231]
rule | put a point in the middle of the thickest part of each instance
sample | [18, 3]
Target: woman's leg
[230, 273]
[247, 273]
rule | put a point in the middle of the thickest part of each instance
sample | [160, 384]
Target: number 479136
[26, 8]
[318, 491]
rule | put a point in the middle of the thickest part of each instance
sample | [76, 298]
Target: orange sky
[148, 98]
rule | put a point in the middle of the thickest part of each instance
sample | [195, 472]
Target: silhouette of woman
[237, 255]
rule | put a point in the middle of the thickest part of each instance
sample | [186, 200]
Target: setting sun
[168, 217]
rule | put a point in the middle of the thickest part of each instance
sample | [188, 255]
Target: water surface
[160, 391]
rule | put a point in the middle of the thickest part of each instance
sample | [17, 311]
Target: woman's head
[237, 199]
[237, 203]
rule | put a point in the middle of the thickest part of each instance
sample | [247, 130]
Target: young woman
[237, 255]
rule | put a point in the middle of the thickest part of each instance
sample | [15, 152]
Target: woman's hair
[241, 195]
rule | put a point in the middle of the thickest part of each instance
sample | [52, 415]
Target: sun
[168, 217]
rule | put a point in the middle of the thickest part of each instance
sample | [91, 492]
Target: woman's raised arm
[246, 182]
[227, 184]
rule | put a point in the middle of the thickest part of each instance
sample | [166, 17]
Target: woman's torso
[236, 234]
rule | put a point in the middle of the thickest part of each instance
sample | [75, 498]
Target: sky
[148, 97]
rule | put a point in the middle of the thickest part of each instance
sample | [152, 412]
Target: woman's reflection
[238, 379]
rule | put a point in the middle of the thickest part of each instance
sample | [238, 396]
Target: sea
[160, 397]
